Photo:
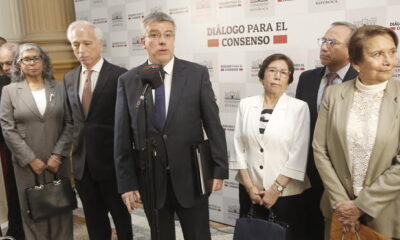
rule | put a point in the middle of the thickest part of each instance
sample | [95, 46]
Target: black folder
[203, 167]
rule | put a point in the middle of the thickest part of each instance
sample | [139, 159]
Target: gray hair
[17, 75]
[349, 25]
[11, 47]
[156, 17]
[80, 23]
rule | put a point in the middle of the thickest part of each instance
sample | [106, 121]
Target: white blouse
[40, 100]
[361, 129]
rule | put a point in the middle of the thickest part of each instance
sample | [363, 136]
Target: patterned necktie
[329, 80]
[87, 92]
[159, 107]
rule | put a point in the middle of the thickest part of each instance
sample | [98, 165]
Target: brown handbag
[365, 233]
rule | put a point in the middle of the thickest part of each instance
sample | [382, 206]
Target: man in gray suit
[91, 90]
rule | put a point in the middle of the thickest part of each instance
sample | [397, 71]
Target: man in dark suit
[178, 111]
[311, 87]
[91, 90]
[15, 229]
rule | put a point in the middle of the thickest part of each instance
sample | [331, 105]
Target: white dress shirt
[95, 76]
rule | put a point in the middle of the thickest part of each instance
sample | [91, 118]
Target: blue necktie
[159, 107]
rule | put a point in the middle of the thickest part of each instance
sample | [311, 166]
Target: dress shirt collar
[96, 68]
[341, 73]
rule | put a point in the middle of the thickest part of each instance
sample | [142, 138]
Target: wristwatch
[279, 187]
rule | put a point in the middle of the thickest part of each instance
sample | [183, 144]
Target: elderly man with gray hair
[91, 90]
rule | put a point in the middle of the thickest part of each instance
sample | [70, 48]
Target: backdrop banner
[232, 38]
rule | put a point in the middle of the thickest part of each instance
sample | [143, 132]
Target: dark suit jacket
[4, 80]
[307, 90]
[93, 137]
[192, 106]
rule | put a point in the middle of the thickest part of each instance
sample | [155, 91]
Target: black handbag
[50, 199]
[250, 228]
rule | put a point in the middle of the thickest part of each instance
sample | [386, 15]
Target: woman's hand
[254, 194]
[37, 166]
[54, 162]
[270, 197]
[348, 214]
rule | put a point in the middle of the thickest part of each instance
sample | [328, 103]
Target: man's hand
[37, 166]
[217, 184]
[131, 200]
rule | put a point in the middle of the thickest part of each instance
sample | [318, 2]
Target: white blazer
[283, 147]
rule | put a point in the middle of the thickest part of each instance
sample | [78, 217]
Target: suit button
[261, 150]
[165, 136]
[261, 167]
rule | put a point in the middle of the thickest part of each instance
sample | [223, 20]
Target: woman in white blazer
[270, 148]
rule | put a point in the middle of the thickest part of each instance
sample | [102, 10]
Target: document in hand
[203, 166]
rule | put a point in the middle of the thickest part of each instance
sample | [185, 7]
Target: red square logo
[279, 39]
[213, 43]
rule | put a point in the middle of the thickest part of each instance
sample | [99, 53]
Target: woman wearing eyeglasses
[270, 148]
[37, 128]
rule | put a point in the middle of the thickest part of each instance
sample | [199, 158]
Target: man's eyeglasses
[157, 36]
[28, 60]
[330, 42]
[273, 71]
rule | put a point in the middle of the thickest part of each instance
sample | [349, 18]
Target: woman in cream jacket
[270, 148]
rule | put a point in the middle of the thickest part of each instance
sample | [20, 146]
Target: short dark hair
[274, 57]
[356, 45]
[3, 39]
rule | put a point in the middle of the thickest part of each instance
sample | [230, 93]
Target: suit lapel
[138, 90]
[341, 116]
[179, 79]
[76, 81]
[314, 88]
[277, 116]
[101, 83]
[50, 90]
[351, 74]
[26, 96]
[388, 115]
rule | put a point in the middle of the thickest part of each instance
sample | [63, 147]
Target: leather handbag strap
[271, 216]
[358, 236]
[37, 182]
